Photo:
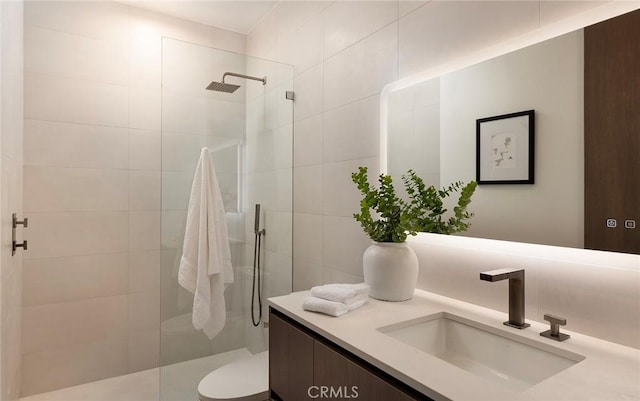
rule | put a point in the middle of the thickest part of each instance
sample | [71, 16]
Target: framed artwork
[505, 148]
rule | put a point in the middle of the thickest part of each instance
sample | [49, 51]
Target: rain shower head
[230, 88]
[222, 87]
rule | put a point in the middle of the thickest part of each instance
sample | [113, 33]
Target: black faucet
[516, 293]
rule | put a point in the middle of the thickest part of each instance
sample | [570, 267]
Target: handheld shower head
[257, 219]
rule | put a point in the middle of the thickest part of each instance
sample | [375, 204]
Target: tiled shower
[116, 113]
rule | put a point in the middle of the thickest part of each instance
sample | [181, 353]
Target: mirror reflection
[432, 127]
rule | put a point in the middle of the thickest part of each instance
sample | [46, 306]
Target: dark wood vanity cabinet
[305, 366]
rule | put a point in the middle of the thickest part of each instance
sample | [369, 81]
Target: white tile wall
[293, 15]
[61, 189]
[143, 350]
[144, 190]
[344, 243]
[106, 21]
[351, 131]
[144, 314]
[308, 141]
[304, 47]
[43, 371]
[73, 278]
[144, 109]
[93, 182]
[52, 98]
[144, 150]
[407, 6]
[308, 248]
[347, 22]
[182, 113]
[74, 233]
[55, 144]
[361, 70]
[176, 189]
[143, 271]
[177, 151]
[144, 230]
[307, 275]
[264, 37]
[281, 223]
[72, 56]
[53, 325]
[345, 197]
[309, 93]
[308, 196]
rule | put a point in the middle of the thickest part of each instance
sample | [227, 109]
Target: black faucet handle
[555, 320]
[554, 332]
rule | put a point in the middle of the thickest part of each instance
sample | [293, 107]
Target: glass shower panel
[249, 134]
[269, 182]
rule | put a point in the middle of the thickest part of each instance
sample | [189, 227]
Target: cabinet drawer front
[290, 361]
[344, 379]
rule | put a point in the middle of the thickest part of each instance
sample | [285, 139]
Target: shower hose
[256, 273]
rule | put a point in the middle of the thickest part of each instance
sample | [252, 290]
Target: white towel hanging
[205, 267]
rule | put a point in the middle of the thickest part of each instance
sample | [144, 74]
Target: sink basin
[513, 361]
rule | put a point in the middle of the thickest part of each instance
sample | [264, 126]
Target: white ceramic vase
[390, 270]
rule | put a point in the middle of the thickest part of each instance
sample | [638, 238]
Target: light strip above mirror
[589, 17]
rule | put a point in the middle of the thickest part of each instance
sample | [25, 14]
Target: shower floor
[179, 382]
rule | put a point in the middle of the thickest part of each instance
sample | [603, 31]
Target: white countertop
[609, 372]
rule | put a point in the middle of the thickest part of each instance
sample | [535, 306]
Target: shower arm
[233, 74]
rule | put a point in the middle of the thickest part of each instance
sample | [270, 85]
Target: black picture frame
[505, 148]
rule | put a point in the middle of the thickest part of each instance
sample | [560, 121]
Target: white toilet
[242, 380]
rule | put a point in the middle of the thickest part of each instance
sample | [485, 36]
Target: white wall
[344, 54]
[93, 187]
[11, 129]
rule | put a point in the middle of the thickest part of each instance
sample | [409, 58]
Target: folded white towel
[345, 293]
[332, 308]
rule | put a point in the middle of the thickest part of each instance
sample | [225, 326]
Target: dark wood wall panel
[612, 133]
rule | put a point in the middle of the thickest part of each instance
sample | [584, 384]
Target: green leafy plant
[396, 218]
[427, 204]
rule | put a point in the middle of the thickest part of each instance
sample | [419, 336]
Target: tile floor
[177, 382]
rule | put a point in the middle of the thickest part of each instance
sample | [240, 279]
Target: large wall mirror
[431, 128]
